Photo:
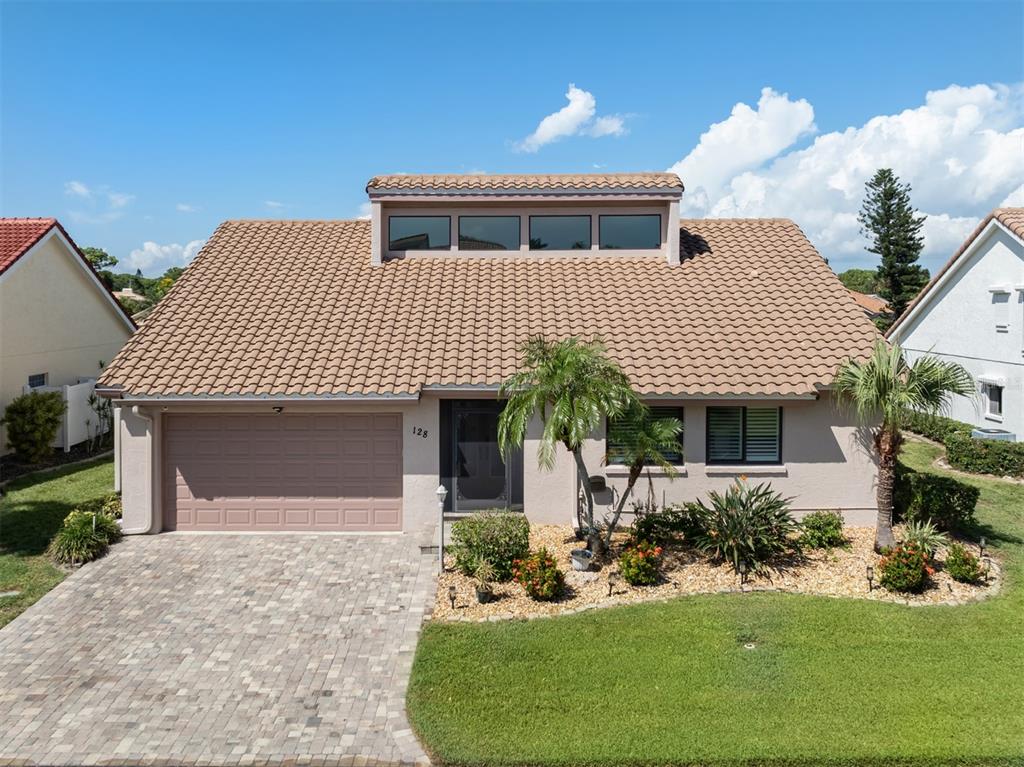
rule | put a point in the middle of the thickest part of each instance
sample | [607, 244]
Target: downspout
[149, 477]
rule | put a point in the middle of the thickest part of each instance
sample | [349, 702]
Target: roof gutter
[179, 399]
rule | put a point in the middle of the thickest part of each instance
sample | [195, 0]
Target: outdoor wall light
[871, 578]
[277, 409]
[451, 596]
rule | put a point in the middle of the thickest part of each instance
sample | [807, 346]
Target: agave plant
[925, 535]
[746, 525]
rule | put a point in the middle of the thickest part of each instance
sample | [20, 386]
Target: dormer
[524, 216]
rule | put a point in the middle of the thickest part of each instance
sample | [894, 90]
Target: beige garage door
[283, 472]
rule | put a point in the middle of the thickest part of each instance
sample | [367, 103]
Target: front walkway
[221, 650]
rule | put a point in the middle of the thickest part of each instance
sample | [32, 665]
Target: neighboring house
[130, 294]
[57, 320]
[972, 312]
[874, 306]
[328, 375]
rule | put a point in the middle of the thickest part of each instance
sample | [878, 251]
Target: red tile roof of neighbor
[17, 235]
[295, 308]
[870, 303]
[548, 182]
[1011, 218]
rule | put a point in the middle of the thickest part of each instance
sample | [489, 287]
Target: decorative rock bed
[839, 572]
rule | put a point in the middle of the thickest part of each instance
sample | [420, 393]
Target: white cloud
[77, 189]
[184, 207]
[154, 259]
[1014, 199]
[577, 118]
[961, 151]
[364, 211]
[102, 204]
[274, 204]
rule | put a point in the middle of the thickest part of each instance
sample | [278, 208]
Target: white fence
[80, 421]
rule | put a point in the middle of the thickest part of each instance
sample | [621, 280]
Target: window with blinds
[618, 436]
[744, 434]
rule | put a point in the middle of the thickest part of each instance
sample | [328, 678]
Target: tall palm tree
[886, 386]
[572, 386]
[643, 442]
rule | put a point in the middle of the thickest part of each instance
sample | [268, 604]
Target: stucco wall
[826, 463]
[959, 324]
[54, 320]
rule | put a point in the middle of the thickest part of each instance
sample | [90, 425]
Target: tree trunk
[581, 471]
[887, 441]
[634, 475]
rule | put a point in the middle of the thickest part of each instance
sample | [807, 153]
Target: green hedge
[978, 456]
[948, 503]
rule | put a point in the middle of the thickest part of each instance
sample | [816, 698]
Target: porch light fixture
[451, 595]
[871, 578]
[442, 493]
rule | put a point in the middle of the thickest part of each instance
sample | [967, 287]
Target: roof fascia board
[951, 270]
[527, 195]
[177, 399]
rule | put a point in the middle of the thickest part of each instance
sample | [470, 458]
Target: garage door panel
[283, 472]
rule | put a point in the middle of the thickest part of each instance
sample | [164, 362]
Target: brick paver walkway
[220, 650]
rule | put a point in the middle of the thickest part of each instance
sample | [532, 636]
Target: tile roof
[293, 308]
[550, 182]
[869, 302]
[1011, 218]
[17, 235]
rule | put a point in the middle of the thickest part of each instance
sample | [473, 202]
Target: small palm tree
[643, 442]
[572, 386]
[885, 386]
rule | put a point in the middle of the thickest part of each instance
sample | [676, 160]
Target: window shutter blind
[725, 433]
[762, 434]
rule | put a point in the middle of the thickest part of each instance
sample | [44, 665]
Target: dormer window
[489, 232]
[560, 233]
[625, 232]
[419, 232]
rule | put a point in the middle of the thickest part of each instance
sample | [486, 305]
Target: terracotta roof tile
[295, 308]
[869, 302]
[17, 235]
[527, 182]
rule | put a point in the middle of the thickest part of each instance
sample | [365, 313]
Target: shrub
[639, 564]
[497, 537]
[948, 503]
[936, 427]
[925, 535]
[33, 421]
[109, 505]
[822, 530]
[985, 456]
[904, 568]
[665, 526]
[746, 524]
[83, 537]
[962, 565]
[539, 575]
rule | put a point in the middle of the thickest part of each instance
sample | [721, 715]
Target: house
[328, 375]
[874, 307]
[130, 294]
[57, 320]
[972, 312]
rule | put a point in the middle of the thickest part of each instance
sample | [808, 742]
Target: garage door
[283, 472]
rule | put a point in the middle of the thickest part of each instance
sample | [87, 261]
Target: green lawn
[832, 681]
[30, 515]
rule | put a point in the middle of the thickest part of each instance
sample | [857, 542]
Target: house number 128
[419, 431]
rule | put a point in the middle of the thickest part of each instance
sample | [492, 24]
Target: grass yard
[30, 514]
[831, 681]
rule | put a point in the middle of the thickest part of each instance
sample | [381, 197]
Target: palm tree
[572, 386]
[886, 386]
[643, 442]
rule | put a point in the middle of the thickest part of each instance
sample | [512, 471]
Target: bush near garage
[496, 537]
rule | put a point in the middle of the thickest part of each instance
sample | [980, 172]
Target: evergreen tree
[895, 230]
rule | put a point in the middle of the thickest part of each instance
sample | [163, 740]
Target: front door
[481, 479]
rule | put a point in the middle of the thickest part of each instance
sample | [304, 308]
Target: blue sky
[150, 122]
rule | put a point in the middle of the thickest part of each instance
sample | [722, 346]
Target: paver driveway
[220, 649]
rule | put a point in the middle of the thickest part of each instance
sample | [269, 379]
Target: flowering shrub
[905, 567]
[962, 565]
[539, 575]
[496, 537]
[639, 564]
[822, 530]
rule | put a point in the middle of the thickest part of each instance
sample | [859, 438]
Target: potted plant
[483, 577]
[581, 559]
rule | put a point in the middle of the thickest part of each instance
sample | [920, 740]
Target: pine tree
[895, 230]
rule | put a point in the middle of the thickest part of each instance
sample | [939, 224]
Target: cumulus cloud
[577, 118]
[961, 150]
[184, 207]
[274, 204]
[365, 211]
[154, 259]
[101, 204]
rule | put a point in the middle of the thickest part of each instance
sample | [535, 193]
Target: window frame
[422, 250]
[519, 231]
[45, 377]
[590, 231]
[600, 235]
[679, 411]
[986, 389]
[743, 461]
